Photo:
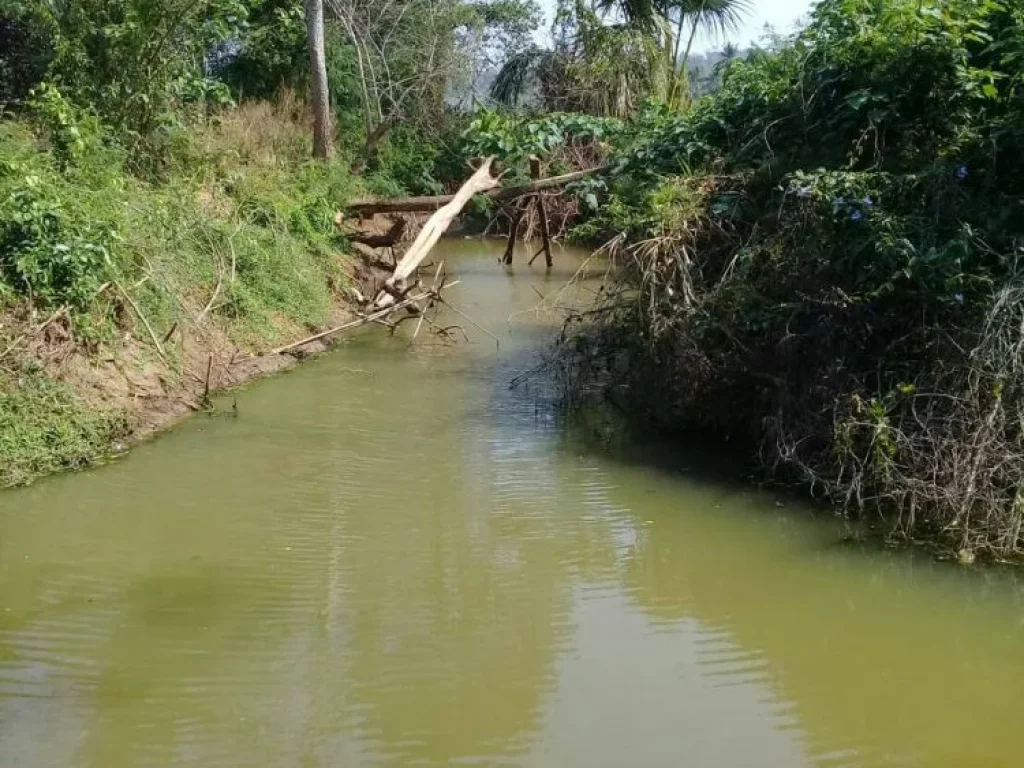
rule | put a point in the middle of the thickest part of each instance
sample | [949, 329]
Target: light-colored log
[435, 226]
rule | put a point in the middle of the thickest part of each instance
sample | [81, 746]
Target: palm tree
[595, 67]
[615, 55]
[716, 17]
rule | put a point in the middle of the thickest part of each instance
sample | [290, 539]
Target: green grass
[43, 429]
[239, 211]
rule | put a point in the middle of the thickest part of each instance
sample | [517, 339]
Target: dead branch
[545, 234]
[513, 229]
[145, 322]
[435, 226]
[364, 319]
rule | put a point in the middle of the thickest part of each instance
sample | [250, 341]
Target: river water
[391, 558]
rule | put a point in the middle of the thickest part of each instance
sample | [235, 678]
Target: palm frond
[717, 17]
[645, 15]
[517, 74]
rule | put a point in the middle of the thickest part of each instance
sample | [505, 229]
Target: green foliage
[867, 85]
[513, 138]
[611, 57]
[137, 64]
[43, 429]
[594, 67]
[48, 253]
[71, 220]
[828, 254]
[272, 51]
[55, 247]
[26, 50]
[405, 164]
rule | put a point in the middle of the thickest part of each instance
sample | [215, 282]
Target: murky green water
[389, 558]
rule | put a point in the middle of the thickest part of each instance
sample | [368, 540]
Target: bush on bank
[239, 214]
[826, 265]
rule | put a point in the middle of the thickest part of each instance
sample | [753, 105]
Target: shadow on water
[878, 656]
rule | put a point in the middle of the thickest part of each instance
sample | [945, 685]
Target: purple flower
[803, 192]
[961, 172]
[856, 216]
[959, 298]
[867, 202]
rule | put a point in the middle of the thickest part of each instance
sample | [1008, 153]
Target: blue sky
[780, 14]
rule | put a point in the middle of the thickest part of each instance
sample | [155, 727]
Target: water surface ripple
[389, 558]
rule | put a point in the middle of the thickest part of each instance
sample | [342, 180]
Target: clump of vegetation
[238, 236]
[157, 177]
[43, 429]
[825, 257]
[255, 220]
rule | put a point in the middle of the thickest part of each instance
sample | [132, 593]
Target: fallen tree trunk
[370, 206]
[394, 288]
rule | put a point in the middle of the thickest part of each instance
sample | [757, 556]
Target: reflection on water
[389, 558]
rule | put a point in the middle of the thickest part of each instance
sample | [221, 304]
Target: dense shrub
[240, 190]
[26, 51]
[827, 254]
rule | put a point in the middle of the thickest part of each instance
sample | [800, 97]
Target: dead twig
[423, 313]
[470, 320]
[145, 322]
[46, 324]
[356, 323]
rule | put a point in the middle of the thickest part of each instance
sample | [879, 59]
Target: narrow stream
[389, 558]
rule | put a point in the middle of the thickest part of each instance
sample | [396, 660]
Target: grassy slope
[239, 213]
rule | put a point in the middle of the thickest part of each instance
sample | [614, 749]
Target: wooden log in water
[545, 234]
[513, 230]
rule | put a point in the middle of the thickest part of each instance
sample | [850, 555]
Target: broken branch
[435, 226]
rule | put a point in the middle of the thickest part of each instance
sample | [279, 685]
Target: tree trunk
[373, 138]
[684, 66]
[673, 54]
[370, 206]
[323, 146]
